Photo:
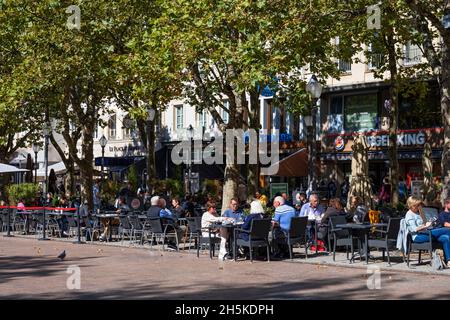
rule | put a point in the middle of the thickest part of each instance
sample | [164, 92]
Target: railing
[376, 60]
[413, 55]
[344, 65]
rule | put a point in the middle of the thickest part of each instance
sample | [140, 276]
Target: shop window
[361, 112]
[112, 127]
[335, 119]
[420, 112]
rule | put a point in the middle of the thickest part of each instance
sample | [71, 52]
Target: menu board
[361, 112]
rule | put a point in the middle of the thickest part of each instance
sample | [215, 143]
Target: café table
[110, 216]
[361, 231]
[230, 226]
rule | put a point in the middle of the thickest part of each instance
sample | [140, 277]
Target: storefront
[336, 154]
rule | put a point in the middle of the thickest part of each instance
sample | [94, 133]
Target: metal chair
[388, 239]
[196, 232]
[91, 229]
[125, 227]
[19, 222]
[258, 236]
[339, 236]
[137, 227]
[73, 226]
[428, 246]
[158, 232]
[298, 234]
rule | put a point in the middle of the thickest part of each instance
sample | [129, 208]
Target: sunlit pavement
[30, 269]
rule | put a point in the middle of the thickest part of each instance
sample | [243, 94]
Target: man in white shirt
[313, 210]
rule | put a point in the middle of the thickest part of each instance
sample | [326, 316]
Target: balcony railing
[376, 60]
[413, 55]
[344, 65]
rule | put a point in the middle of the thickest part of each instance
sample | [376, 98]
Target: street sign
[278, 187]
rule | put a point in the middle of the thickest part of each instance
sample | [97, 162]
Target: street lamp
[103, 143]
[314, 88]
[190, 134]
[151, 138]
[35, 150]
[46, 131]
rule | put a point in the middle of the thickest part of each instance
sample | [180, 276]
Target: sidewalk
[321, 258]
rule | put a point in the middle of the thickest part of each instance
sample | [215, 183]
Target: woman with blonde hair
[416, 222]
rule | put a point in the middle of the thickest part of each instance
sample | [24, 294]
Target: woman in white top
[208, 218]
[416, 222]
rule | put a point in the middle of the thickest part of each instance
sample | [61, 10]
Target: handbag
[437, 260]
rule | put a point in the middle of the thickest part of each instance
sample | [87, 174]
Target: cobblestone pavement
[30, 269]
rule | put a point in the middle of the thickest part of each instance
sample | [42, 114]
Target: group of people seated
[416, 224]
[281, 220]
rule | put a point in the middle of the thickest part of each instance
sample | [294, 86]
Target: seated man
[281, 226]
[169, 219]
[313, 210]
[444, 216]
[234, 212]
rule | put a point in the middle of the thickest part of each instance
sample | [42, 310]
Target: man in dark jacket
[155, 209]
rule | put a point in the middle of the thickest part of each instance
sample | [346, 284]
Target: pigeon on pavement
[62, 255]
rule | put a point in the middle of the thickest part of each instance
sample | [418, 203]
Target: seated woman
[256, 212]
[358, 211]
[208, 218]
[416, 222]
[335, 208]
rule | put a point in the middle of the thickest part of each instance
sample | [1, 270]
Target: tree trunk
[70, 180]
[254, 169]
[393, 117]
[232, 169]
[86, 165]
[231, 183]
[445, 109]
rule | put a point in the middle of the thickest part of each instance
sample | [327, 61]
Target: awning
[294, 165]
[117, 161]
[58, 167]
[6, 168]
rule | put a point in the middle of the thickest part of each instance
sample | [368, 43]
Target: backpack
[437, 260]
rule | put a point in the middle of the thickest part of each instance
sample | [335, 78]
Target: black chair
[339, 236]
[258, 237]
[298, 234]
[196, 232]
[388, 237]
[158, 232]
[137, 227]
[73, 226]
[91, 229]
[428, 246]
[125, 227]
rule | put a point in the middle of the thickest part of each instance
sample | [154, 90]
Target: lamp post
[103, 143]
[46, 131]
[190, 133]
[314, 88]
[35, 150]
